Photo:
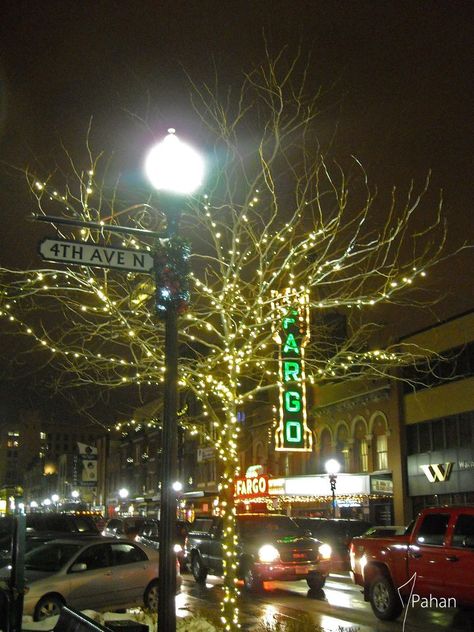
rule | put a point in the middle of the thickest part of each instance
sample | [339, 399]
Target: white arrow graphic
[413, 580]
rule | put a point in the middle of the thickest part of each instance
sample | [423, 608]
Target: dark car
[62, 523]
[270, 547]
[123, 528]
[338, 532]
[149, 534]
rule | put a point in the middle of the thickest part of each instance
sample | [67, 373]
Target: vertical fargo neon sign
[292, 335]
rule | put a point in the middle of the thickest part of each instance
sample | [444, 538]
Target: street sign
[205, 454]
[87, 254]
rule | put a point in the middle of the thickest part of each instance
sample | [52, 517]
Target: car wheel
[251, 581]
[151, 596]
[198, 569]
[384, 599]
[316, 581]
[48, 606]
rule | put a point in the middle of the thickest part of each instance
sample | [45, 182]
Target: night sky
[397, 78]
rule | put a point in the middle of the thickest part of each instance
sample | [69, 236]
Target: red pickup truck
[431, 565]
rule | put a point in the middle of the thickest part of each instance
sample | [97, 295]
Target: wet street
[340, 607]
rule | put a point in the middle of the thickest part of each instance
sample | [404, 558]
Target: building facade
[438, 415]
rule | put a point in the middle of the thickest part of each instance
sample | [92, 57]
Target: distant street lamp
[75, 494]
[55, 499]
[332, 468]
[123, 493]
[176, 170]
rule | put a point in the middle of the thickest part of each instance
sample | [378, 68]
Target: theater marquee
[292, 335]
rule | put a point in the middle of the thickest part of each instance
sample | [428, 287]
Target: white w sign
[437, 473]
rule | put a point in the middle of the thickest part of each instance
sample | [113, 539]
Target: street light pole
[175, 169]
[169, 452]
[169, 446]
[332, 468]
[332, 480]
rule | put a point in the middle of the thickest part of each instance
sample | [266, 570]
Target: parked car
[61, 523]
[149, 535]
[338, 532]
[270, 547]
[98, 574]
[124, 528]
[42, 528]
[96, 516]
[432, 561]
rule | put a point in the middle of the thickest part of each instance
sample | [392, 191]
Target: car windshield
[271, 525]
[51, 557]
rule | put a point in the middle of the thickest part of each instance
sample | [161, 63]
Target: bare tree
[279, 214]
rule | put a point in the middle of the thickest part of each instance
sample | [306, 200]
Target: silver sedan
[98, 574]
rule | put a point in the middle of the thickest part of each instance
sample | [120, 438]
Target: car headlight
[268, 553]
[325, 551]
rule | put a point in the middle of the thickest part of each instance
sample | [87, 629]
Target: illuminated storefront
[358, 495]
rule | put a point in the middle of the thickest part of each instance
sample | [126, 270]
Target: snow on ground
[186, 624]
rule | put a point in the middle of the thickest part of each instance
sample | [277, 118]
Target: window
[438, 434]
[381, 447]
[201, 525]
[425, 437]
[464, 531]
[115, 523]
[466, 428]
[13, 440]
[433, 529]
[97, 556]
[127, 554]
[412, 439]
[364, 456]
[451, 430]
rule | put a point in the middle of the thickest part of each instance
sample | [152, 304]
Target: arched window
[326, 449]
[381, 452]
[342, 450]
[259, 454]
[361, 448]
[380, 444]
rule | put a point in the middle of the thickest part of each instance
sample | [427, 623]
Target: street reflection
[269, 616]
[338, 607]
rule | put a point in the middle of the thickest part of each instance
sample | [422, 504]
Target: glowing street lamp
[175, 170]
[123, 493]
[332, 469]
